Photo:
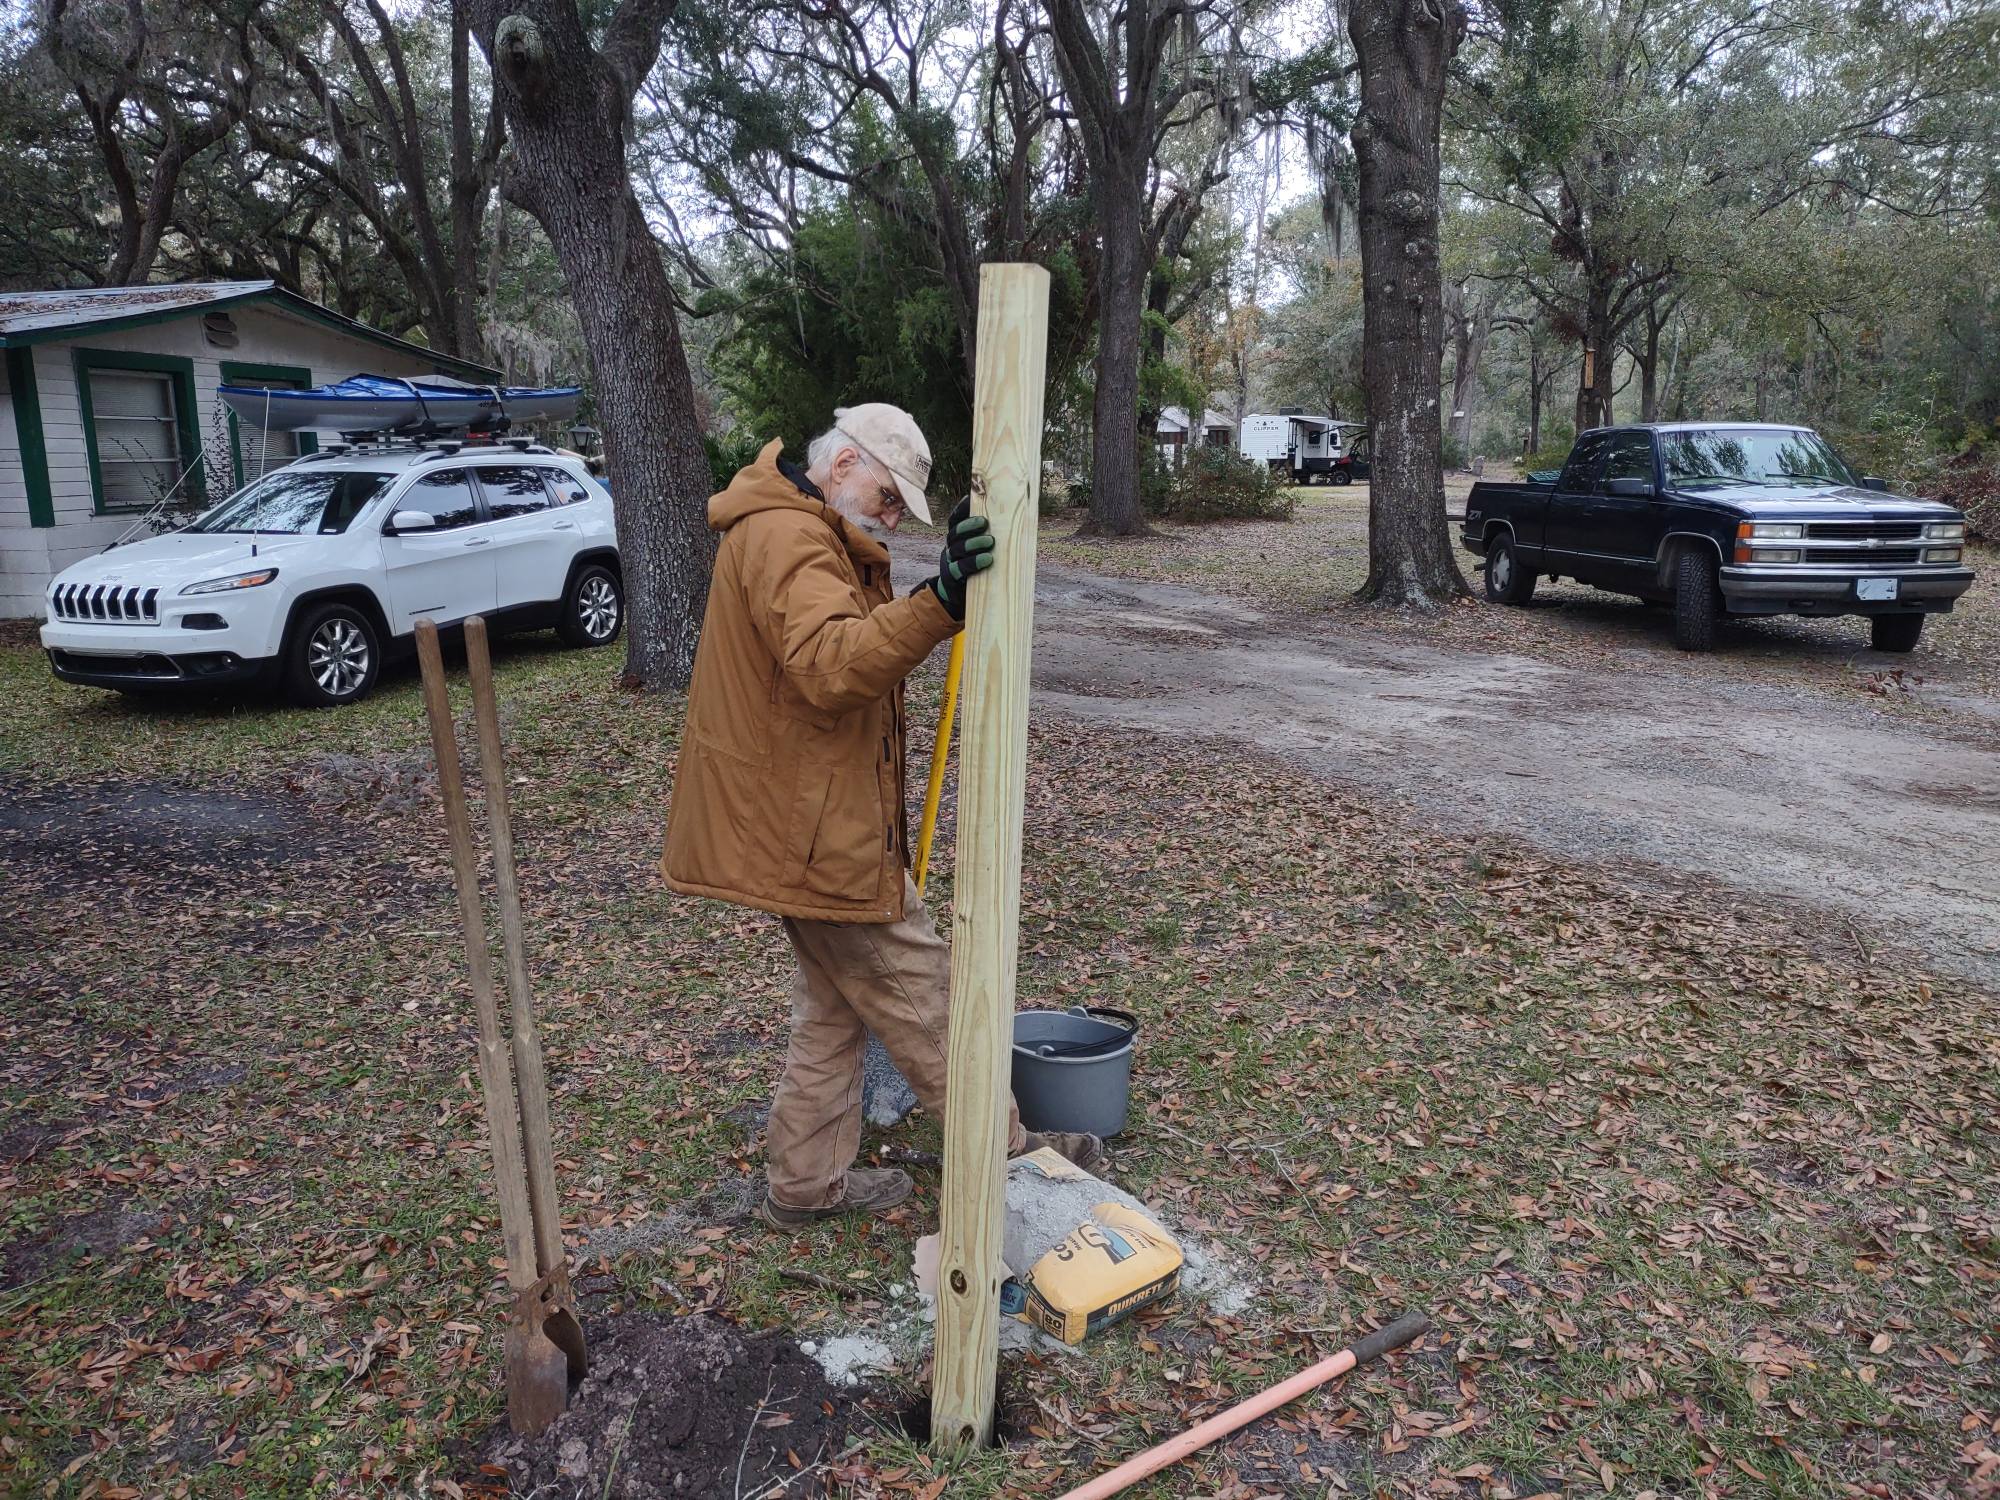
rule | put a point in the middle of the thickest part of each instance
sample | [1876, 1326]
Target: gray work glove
[968, 549]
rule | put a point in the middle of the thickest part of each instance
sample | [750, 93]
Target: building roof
[1177, 417]
[45, 317]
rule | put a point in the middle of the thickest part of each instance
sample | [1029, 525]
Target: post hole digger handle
[503, 1120]
[543, 1344]
[546, 1307]
[530, 1077]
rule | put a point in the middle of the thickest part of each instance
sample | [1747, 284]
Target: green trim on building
[27, 400]
[236, 372]
[291, 302]
[194, 487]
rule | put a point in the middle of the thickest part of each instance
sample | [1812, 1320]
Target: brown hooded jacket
[789, 793]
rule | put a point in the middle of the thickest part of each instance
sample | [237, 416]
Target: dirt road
[1785, 795]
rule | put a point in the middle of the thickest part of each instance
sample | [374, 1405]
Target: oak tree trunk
[1472, 326]
[566, 104]
[1115, 435]
[1649, 377]
[1404, 48]
[468, 193]
[1593, 381]
[1535, 379]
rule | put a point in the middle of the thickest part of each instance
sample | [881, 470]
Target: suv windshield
[297, 501]
[1750, 455]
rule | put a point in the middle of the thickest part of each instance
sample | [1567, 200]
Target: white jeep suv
[310, 575]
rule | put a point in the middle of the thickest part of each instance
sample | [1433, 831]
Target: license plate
[1875, 588]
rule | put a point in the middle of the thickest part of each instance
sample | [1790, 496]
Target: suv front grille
[1861, 531]
[106, 602]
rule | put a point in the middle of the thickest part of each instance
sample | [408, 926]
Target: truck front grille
[1863, 557]
[105, 602]
[1861, 531]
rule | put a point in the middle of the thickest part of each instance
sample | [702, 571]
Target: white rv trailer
[1296, 443]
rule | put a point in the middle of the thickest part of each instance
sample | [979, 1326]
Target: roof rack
[430, 446]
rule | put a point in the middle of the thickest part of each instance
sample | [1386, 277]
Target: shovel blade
[537, 1382]
[544, 1354]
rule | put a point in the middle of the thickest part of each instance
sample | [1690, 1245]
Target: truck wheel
[1697, 601]
[1895, 632]
[593, 608]
[334, 657]
[1507, 580]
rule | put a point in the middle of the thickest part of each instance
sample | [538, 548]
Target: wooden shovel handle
[503, 1122]
[530, 1079]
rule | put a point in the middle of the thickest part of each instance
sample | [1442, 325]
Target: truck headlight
[1776, 531]
[232, 583]
[1773, 554]
[1945, 531]
[1942, 554]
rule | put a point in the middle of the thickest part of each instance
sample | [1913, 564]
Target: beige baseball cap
[891, 437]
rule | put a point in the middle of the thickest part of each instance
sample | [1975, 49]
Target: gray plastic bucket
[1073, 1068]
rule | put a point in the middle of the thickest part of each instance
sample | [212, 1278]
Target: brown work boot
[868, 1190]
[1077, 1147]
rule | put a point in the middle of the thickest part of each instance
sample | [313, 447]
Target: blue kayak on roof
[385, 403]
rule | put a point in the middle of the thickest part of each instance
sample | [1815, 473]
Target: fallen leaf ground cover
[1700, 1199]
[1308, 568]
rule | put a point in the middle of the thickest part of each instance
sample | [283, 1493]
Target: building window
[253, 449]
[139, 428]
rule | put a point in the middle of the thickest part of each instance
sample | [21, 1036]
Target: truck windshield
[298, 502]
[1750, 455]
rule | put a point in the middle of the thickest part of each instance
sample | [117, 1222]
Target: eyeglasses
[891, 496]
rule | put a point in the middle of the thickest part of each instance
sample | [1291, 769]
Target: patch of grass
[1693, 1204]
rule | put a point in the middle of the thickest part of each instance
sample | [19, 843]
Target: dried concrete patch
[728, 1202]
[390, 782]
[850, 1356]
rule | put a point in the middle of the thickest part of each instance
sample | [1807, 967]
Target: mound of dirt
[682, 1407]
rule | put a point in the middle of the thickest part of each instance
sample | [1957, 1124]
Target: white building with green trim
[109, 405]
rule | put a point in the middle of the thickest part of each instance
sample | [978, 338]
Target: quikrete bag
[1117, 1263]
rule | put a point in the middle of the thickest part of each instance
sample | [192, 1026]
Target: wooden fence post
[993, 751]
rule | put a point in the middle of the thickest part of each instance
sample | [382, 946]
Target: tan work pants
[891, 978]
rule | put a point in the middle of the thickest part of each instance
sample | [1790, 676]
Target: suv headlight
[1945, 531]
[1777, 531]
[232, 583]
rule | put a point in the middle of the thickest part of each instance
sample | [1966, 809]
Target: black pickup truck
[1725, 518]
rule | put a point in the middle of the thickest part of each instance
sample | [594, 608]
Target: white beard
[870, 526]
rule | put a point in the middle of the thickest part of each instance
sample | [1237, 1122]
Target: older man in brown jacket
[790, 792]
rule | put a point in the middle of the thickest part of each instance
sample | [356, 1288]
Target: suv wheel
[1895, 632]
[334, 657]
[593, 609]
[1697, 601]
[1507, 581]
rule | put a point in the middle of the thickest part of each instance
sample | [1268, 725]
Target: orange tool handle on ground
[939, 755]
[1129, 1473]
